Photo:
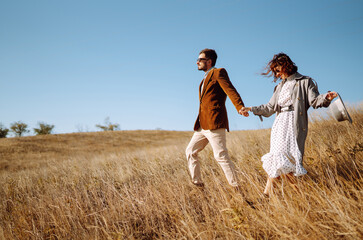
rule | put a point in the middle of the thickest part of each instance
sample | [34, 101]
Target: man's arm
[229, 89]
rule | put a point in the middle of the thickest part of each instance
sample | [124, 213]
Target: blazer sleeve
[315, 99]
[229, 89]
[266, 110]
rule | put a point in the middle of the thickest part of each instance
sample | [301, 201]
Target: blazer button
[304, 129]
[300, 113]
[298, 98]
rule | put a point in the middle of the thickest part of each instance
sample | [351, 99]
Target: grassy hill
[136, 185]
[40, 151]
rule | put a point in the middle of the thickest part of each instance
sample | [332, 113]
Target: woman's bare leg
[269, 186]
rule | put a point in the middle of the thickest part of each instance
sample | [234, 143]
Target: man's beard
[202, 69]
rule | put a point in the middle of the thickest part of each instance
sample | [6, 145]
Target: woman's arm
[317, 100]
[266, 110]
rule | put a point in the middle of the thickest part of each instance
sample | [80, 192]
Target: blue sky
[74, 63]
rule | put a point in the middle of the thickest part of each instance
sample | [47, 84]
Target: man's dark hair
[210, 54]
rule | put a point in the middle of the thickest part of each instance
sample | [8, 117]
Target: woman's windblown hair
[288, 67]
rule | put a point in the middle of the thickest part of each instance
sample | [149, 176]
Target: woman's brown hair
[288, 67]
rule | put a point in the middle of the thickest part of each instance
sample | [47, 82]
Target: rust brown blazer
[212, 110]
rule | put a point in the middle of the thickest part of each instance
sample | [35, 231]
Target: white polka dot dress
[284, 156]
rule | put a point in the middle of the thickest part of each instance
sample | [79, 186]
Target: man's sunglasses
[202, 59]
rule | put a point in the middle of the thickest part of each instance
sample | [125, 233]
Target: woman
[291, 100]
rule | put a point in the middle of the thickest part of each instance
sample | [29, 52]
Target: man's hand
[244, 111]
[331, 95]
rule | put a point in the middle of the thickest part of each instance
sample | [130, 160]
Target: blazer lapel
[206, 81]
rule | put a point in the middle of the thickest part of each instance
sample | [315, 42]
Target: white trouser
[217, 139]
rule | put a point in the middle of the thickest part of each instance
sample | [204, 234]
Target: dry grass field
[135, 185]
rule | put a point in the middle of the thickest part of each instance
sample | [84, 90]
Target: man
[212, 122]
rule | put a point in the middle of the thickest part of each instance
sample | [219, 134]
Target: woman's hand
[247, 109]
[244, 111]
[331, 95]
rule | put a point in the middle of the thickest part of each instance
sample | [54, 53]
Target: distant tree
[3, 131]
[108, 126]
[19, 128]
[82, 128]
[43, 129]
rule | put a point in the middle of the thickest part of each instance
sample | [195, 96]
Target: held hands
[244, 111]
[331, 95]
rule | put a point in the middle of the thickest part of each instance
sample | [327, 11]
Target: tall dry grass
[135, 185]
